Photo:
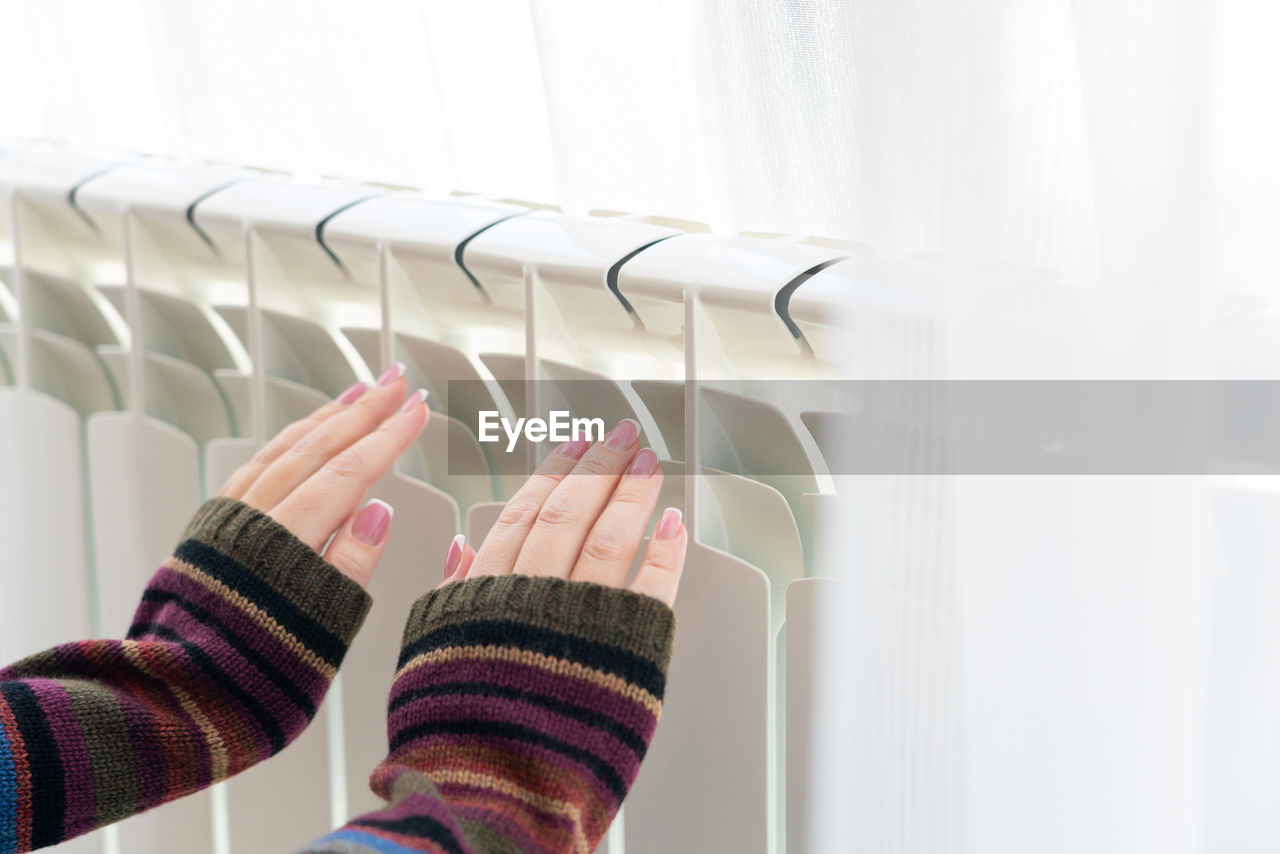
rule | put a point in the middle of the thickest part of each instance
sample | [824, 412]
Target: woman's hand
[315, 472]
[582, 516]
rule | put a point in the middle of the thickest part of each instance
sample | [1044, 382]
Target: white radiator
[157, 322]
[897, 664]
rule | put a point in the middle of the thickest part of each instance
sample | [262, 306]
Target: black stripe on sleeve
[302, 625]
[228, 687]
[514, 732]
[599, 656]
[48, 788]
[210, 621]
[590, 717]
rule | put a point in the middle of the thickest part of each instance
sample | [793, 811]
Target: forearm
[231, 651]
[520, 713]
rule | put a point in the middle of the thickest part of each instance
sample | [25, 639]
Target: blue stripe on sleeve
[368, 840]
[8, 796]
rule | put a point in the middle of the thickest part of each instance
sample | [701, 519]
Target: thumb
[358, 546]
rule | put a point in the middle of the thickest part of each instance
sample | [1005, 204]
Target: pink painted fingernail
[413, 400]
[353, 393]
[575, 447]
[669, 524]
[644, 465]
[454, 557]
[623, 436]
[371, 523]
[391, 374]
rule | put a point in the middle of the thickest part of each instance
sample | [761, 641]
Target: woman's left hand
[315, 472]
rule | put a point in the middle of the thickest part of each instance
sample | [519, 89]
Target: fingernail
[623, 436]
[454, 557]
[351, 394]
[575, 447]
[371, 523]
[669, 524]
[391, 374]
[644, 465]
[413, 400]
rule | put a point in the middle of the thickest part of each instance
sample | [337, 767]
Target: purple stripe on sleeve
[73, 754]
[247, 631]
[465, 793]
[535, 680]
[460, 707]
[569, 769]
[231, 660]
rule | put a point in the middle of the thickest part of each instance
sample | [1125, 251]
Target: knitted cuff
[497, 606]
[288, 566]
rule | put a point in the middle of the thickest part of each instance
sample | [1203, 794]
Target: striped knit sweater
[521, 709]
[231, 651]
[519, 715]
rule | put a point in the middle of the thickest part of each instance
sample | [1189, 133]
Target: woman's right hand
[582, 516]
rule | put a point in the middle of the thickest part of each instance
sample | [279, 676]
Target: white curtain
[1092, 137]
[1069, 664]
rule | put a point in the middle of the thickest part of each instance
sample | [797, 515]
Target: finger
[453, 558]
[498, 552]
[458, 560]
[468, 558]
[310, 452]
[659, 573]
[611, 546]
[320, 504]
[358, 546]
[245, 476]
[566, 517]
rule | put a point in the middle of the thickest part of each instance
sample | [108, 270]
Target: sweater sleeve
[231, 650]
[520, 712]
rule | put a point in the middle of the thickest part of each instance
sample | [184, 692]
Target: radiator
[858, 665]
[157, 321]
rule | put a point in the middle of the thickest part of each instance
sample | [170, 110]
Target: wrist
[252, 556]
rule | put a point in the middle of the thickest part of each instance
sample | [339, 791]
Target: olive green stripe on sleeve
[640, 625]
[115, 782]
